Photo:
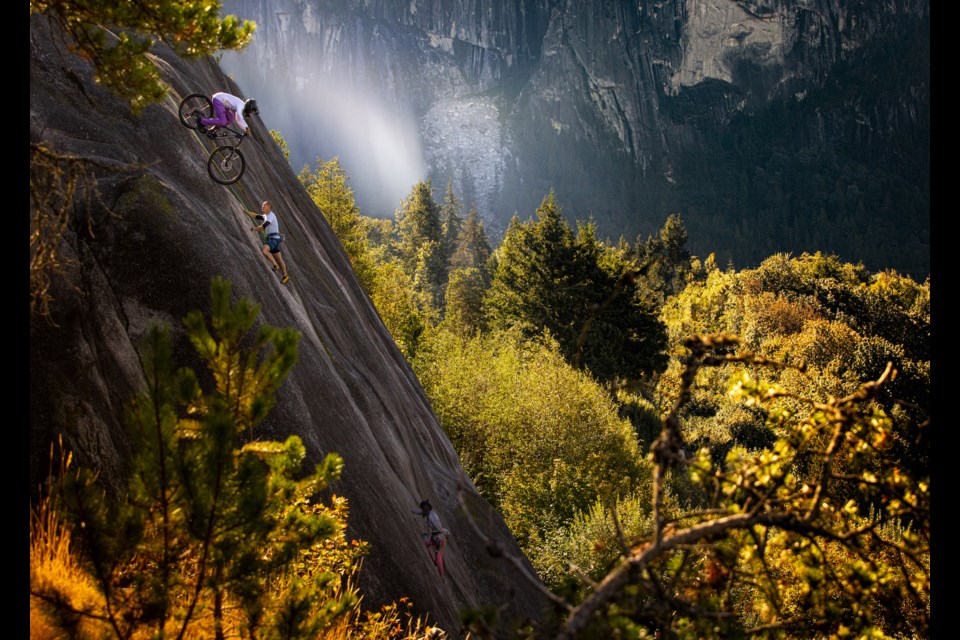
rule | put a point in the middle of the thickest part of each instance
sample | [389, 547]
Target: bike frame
[224, 133]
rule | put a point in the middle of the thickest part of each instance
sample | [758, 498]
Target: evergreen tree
[382, 239]
[451, 221]
[329, 189]
[622, 340]
[214, 530]
[421, 246]
[463, 313]
[473, 247]
[430, 279]
[394, 295]
[534, 285]
[397, 305]
[665, 259]
[578, 291]
[418, 221]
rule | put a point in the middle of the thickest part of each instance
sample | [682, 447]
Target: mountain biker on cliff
[228, 108]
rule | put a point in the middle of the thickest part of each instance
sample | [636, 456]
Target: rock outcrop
[616, 105]
[145, 250]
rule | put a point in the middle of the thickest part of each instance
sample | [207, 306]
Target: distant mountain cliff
[159, 231]
[769, 125]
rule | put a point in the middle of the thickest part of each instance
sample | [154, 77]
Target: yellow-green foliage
[392, 290]
[903, 291]
[463, 306]
[789, 494]
[796, 578]
[846, 468]
[393, 296]
[820, 530]
[838, 321]
[282, 143]
[704, 306]
[590, 543]
[540, 439]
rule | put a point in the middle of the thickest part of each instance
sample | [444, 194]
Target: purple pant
[221, 115]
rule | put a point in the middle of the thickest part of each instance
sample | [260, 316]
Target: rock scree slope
[145, 251]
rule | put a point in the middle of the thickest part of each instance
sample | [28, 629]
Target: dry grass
[392, 622]
[62, 596]
[65, 601]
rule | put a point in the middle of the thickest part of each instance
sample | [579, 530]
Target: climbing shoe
[285, 280]
[276, 268]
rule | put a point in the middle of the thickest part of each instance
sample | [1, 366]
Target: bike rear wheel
[191, 103]
[226, 165]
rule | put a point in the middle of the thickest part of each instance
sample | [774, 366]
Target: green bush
[539, 438]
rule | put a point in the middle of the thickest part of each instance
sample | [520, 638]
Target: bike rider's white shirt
[272, 226]
[234, 102]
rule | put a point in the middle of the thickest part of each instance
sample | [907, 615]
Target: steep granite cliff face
[613, 104]
[160, 229]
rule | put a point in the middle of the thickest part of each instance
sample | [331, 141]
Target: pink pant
[438, 560]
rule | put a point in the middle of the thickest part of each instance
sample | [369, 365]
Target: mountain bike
[225, 164]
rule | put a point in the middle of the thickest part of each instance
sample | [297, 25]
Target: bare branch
[57, 182]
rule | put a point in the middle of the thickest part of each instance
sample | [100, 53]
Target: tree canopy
[582, 293]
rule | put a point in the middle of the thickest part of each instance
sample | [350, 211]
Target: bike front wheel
[195, 102]
[226, 165]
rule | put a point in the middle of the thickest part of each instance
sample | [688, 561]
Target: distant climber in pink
[436, 536]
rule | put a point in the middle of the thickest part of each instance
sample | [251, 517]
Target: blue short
[274, 244]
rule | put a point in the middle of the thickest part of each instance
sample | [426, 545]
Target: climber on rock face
[271, 244]
[435, 536]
